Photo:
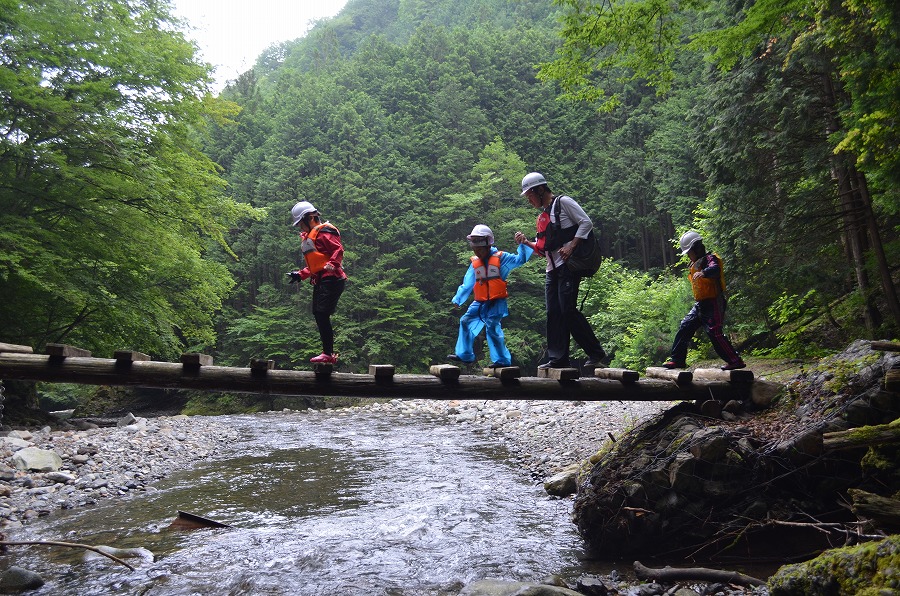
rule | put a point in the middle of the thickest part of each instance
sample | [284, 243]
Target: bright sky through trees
[233, 33]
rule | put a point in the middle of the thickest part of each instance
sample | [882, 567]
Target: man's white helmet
[301, 210]
[531, 180]
[481, 236]
[688, 240]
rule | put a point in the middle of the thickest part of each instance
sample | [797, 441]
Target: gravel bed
[544, 436]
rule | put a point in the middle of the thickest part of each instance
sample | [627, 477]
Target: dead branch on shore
[673, 574]
[66, 544]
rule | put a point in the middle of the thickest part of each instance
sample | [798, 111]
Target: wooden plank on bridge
[195, 359]
[559, 374]
[16, 349]
[130, 356]
[679, 375]
[323, 370]
[445, 372]
[504, 373]
[731, 376]
[261, 364]
[618, 374]
[66, 351]
[382, 372]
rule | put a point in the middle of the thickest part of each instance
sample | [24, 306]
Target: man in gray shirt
[557, 240]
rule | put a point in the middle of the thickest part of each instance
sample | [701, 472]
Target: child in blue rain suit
[486, 276]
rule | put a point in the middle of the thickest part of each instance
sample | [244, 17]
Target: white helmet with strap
[481, 236]
[301, 210]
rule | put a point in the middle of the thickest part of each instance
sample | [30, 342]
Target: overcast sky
[232, 34]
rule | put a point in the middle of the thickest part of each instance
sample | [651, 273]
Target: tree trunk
[884, 270]
[851, 212]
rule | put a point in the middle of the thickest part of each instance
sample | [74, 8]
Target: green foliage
[636, 315]
[107, 205]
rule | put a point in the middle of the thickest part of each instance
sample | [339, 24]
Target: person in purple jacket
[707, 276]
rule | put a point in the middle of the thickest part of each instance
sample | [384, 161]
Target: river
[323, 504]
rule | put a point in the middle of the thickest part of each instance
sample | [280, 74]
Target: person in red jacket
[707, 277]
[324, 255]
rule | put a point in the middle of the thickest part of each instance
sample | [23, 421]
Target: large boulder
[870, 568]
[37, 460]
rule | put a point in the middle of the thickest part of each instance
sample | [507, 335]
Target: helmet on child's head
[481, 236]
[301, 210]
[531, 180]
[688, 240]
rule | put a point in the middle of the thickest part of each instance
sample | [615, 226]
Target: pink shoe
[324, 358]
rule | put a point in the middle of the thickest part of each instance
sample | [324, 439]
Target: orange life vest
[707, 287]
[488, 283]
[316, 260]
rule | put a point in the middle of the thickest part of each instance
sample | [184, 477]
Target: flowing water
[322, 505]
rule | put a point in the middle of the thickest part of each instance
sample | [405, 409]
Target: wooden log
[729, 376]
[863, 436]
[617, 374]
[886, 346]
[16, 349]
[173, 375]
[559, 374]
[383, 372]
[884, 511]
[679, 375]
[672, 575]
[261, 364]
[504, 373]
[65, 351]
[892, 380]
[323, 370]
[130, 356]
[194, 359]
[445, 372]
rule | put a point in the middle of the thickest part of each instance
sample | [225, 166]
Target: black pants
[326, 293]
[564, 320]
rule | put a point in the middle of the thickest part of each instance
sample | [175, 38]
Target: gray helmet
[531, 180]
[688, 240]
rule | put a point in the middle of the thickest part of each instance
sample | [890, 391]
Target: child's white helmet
[479, 234]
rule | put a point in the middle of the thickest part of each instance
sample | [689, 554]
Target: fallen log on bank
[198, 376]
[702, 574]
[863, 436]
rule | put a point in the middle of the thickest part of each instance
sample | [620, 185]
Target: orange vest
[488, 283]
[315, 260]
[706, 287]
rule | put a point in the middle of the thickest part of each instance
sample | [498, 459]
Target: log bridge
[68, 364]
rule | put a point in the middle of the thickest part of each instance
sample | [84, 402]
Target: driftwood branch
[67, 544]
[672, 574]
